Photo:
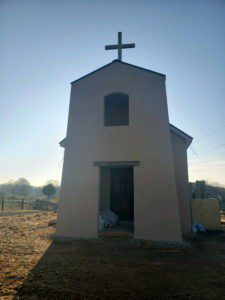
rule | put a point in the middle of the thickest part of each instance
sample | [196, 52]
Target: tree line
[23, 188]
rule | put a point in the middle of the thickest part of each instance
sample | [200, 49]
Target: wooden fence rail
[21, 204]
[45, 205]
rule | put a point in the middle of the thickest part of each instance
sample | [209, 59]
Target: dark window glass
[116, 109]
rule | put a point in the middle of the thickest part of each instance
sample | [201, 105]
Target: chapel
[121, 154]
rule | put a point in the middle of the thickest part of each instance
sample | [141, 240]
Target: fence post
[22, 204]
[3, 200]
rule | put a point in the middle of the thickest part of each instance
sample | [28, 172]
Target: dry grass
[23, 240]
[34, 267]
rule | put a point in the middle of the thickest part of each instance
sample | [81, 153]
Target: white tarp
[107, 218]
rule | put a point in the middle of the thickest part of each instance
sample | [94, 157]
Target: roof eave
[174, 129]
[182, 134]
[117, 61]
[62, 143]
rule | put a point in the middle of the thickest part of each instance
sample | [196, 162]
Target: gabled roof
[174, 129]
[118, 62]
[182, 134]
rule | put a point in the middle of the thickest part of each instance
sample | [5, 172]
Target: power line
[204, 161]
[210, 133]
[193, 151]
[211, 150]
[219, 146]
[59, 164]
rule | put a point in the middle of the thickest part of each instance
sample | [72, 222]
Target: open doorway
[117, 195]
[121, 193]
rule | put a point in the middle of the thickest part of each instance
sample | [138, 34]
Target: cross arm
[128, 46]
[120, 46]
[110, 47]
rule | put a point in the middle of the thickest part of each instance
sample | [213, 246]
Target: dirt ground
[33, 266]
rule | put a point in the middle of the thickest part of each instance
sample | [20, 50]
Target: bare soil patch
[35, 267]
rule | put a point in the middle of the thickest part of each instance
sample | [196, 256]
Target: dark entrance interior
[122, 193]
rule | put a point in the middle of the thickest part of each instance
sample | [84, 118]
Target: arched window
[116, 109]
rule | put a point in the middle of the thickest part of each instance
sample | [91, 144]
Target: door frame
[116, 164]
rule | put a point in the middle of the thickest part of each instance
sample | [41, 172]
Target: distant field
[36, 267]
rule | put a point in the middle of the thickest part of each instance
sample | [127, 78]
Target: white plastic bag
[198, 228]
[110, 219]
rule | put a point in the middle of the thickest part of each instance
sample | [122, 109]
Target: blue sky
[47, 44]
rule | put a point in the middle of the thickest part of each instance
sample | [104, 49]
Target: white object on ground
[198, 228]
[110, 219]
[100, 223]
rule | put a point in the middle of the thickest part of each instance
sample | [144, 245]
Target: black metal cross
[120, 46]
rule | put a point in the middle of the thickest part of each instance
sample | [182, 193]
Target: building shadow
[51, 278]
[78, 269]
[121, 268]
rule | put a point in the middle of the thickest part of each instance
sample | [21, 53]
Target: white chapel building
[122, 154]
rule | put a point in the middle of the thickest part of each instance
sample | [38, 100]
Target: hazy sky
[46, 44]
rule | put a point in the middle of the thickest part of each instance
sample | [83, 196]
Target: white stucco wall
[146, 139]
[181, 171]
